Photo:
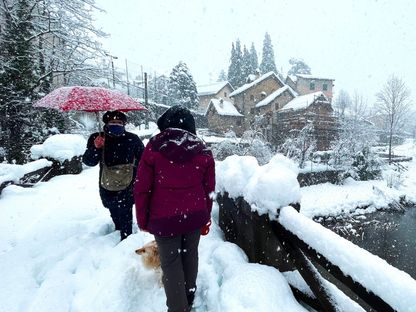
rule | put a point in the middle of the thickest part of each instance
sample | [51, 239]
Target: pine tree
[253, 59]
[298, 67]
[246, 69]
[18, 76]
[235, 76]
[222, 76]
[268, 63]
[182, 88]
[158, 89]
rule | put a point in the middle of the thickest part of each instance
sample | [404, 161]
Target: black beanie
[177, 116]
[112, 115]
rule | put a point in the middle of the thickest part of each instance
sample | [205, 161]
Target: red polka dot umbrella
[89, 99]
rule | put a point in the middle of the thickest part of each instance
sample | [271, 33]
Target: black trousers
[120, 205]
[179, 261]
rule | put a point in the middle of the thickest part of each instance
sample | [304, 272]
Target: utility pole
[112, 57]
[127, 77]
[146, 125]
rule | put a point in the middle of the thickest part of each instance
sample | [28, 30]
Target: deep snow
[59, 251]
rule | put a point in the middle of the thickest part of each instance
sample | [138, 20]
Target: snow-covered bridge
[59, 252]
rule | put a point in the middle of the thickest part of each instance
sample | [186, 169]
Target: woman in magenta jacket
[173, 197]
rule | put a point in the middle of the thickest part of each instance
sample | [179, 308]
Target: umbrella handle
[97, 115]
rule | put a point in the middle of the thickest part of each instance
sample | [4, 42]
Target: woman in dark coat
[119, 147]
[173, 198]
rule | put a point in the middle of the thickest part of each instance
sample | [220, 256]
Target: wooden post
[309, 273]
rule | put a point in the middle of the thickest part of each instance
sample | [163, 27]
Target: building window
[325, 87]
[225, 94]
[238, 122]
[312, 86]
[276, 106]
[252, 97]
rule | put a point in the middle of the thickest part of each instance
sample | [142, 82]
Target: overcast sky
[357, 43]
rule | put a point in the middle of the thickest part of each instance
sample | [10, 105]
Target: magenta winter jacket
[175, 178]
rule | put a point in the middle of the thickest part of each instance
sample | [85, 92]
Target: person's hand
[99, 141]
[205, 228]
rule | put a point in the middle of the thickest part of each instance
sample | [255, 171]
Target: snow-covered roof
[304, 101]
[312, 77]
[255, 82]
[213, 88]
[224, 108]
[274, 95]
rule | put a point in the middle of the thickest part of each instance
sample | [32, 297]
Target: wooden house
[217, 90]
[312, 108]
[249, 95]
[223, 116]
[306, 84]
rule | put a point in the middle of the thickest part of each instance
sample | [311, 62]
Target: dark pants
[120, 205]
[179, 261]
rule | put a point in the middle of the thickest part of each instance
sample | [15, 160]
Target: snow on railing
[393, 286]
[255, 213]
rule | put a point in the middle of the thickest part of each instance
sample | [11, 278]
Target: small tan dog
[150, 255]
[150, 258]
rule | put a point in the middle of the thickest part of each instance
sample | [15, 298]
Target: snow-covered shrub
[354, 137]
[250, 144]
[394, 176]
[300, 145]
[365, 165]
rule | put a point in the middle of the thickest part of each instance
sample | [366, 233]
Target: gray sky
[358, 43]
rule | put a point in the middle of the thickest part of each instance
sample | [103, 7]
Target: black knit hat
[112, 115]
[177, 116]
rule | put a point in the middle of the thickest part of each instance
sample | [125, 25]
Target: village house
[216, 90]
[269, 105]
[222, 116]
[312, 108]
[306, 84]
[249, 95]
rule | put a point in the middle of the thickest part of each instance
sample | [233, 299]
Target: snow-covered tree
[393, 102]
[235, 70]
[182, 88]
[18, 75]
[251, 143]
[341, 103]
[43, 44]
[246, 69]
[300, 145]
[222, 76]
[267, 62]
[298, 67]
[253, 59]
[353, 149]
[158, 89]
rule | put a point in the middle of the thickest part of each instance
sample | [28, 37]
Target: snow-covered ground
[59, 251]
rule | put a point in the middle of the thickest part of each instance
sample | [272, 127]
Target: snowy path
[58, 252]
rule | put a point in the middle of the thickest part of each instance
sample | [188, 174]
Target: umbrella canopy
[89, 99]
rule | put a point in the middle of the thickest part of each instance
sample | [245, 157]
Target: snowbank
[266, 188]
[60, 147]
[10, 172]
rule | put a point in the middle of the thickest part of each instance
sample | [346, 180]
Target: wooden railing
[269, 242]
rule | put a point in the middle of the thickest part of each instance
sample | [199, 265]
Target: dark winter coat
[175, 179]
[117, 150]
